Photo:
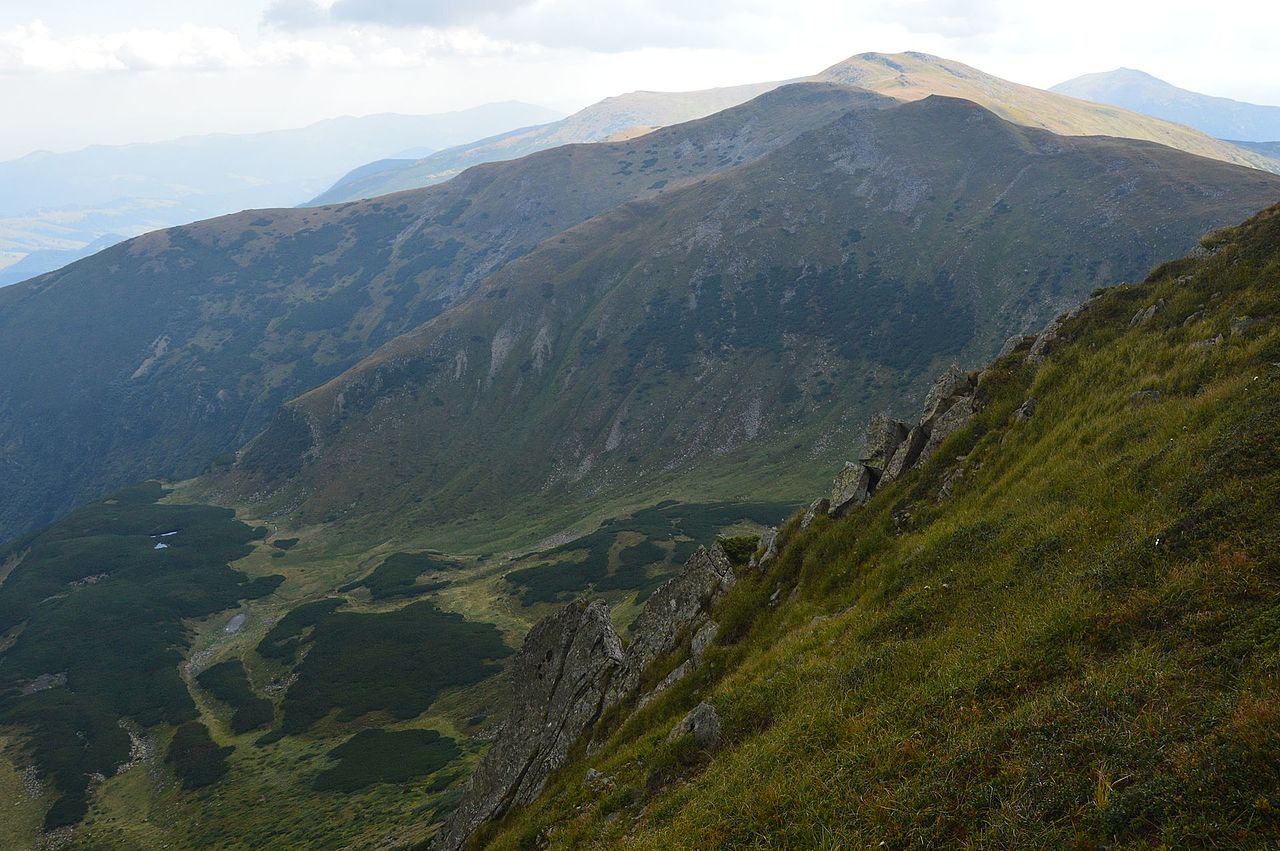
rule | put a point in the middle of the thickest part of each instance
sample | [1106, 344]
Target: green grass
[383, 756]
[1079, 648]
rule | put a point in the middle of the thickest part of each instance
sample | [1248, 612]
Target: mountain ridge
[1223, 118]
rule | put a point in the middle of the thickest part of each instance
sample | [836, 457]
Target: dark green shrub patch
[397, 662]
[228, 682]
[398, 575]
[382, 756]
[195, 757]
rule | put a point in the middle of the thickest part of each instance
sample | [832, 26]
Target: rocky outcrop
[571, 669]
[560, 679]
[681, 606]
[893, 447]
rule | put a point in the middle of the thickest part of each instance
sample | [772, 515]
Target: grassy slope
[731, 342]
[612, 119]
[1081, 646]
[155, 356]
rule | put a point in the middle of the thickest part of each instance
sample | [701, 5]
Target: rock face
[682, 603]
[893, 447]
[570, 670]
[560, 680]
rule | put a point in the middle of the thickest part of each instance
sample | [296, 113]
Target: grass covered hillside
[157, 356]
[730, 338]
[1076, 644]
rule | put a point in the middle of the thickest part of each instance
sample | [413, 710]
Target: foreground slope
[629, 114]
[910, 76]
[155, 356]
[1060, 631]
[695, 344]
[1220, 117]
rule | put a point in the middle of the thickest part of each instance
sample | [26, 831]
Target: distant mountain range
[52, 206]
[904, 76]
[1139, 91]
[624, 115]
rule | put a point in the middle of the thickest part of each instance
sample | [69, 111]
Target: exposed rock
[852, 486]
[767, 550]
[951, 403]
[1193, 319]
[597, 781]
[1052, 333]
[955, 417]
[682, 603]
[951, 385]
[44, 682]
[1026, 410]
[702, 640]
[570, 670]
[1144, 396]
[949, 483]
[1014, 343]
[818, 506]
[1208, 344]
[1241, 324]
[1144, 316]
[702, 723]
[561, 677]
[907, 455]
[883, 436]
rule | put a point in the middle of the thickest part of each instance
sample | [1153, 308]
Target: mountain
[178, 346]
[66, 201]
[1222, 118]
[909, 76]
[624, 116]
[905, 76]
[1059, 631]
[669, 344]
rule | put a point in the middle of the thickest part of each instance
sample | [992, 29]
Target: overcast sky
[76, 72]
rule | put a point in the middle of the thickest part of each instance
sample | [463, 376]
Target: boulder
[883, 436]
[951, 385]
[818, 506]
[851, 487]
[907, 454]
[1026, 410]
[1142, 317]
[767, 550]
[702, 723]
[1143, 396]
[948, 423]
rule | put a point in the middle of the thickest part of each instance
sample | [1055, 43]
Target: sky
[80, 72]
